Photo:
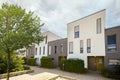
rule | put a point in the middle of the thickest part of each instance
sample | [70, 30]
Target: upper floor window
[55, 49]
[81, 46]
[88, 45]
[98, 24]
[61, 47]
[111, 43]
[76, 31]
[44, 50]
[40, 50]
[70, 47]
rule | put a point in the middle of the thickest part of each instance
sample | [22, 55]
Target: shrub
[73, 65]
[115, 73]
[26, 68]
[25, 60]
[117, 70]
[31, 61]
[46, 62]
[16, 63]
[2, 68]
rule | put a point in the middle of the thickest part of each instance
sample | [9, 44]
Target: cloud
[57, 13]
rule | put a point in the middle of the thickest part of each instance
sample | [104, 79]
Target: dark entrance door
[91, 63]
[96, 63]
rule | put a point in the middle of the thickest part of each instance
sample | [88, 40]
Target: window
[70, 47]
[40, 50]
[114, 61]
[55, 49]
[81, 46]
[98, 25]
[111, 43]
[61, 47]
[76, 32]
[36, 51]
[49, 50]
[46, 40]
[44, 50]
[88, 46]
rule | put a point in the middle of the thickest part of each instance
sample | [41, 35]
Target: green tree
[18, 29]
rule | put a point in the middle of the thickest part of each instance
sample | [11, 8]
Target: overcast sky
[57, 13]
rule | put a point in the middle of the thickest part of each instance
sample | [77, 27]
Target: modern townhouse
[42, 49]
[112, 57]
[57, 50]
[86, 40]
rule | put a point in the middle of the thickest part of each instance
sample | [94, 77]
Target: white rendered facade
[39, 53]
[87, 30]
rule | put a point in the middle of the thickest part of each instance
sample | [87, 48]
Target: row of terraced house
[87, 39]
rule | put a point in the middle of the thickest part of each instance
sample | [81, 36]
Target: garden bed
[16, 73]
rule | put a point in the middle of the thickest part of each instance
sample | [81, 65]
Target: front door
[96, 63]
[91, 63]
[100, 63]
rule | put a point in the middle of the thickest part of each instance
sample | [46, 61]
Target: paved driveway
[45, 74]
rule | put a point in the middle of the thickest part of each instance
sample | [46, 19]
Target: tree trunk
[8, 65]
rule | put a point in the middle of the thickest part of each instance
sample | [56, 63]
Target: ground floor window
[114, 61]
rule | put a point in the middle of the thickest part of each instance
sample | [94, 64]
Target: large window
[76, 31]
[114, 61]
[40, 50]
[88, 46]
[44, 50]
[81, 46]
[55, 49]
[111, 43]
[98, 22]
[70, 47]
[61, 48]
[49, 50]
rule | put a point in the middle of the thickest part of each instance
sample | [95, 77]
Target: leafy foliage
[18, 29]
[16, 63]
[115, 73]
[31, 61]
[46, 62]
[73, 65]
[26, 68]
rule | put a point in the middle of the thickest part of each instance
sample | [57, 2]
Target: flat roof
[113, 27]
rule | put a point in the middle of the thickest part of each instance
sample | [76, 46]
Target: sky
[57, 13]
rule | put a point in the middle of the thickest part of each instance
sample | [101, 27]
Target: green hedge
[47, 62]
[73, 65]
[32, 61]
[26, 67]
[114, 74]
